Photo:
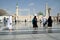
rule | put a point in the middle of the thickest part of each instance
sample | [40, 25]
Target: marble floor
[25, 31]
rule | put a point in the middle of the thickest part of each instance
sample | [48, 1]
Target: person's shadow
[35, 31]
[25, 23]
[50, 30]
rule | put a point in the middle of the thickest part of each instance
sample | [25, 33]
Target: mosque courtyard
[25, 31]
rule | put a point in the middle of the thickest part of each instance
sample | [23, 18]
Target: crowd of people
[48, 22]
[8, 22]
[45, 22]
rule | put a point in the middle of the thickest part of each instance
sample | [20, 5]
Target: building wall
[28, 18]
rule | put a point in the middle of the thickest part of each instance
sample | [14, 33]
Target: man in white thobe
[44, 21]
[9, 23]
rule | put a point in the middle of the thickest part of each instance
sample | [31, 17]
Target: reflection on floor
[26, 28]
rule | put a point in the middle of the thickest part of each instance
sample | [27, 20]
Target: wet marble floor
[25, 31]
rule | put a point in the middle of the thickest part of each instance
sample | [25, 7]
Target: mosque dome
[3, 12]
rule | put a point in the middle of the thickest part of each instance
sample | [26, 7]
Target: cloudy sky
[30, 6]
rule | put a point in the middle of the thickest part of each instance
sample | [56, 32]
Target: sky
[31, 7]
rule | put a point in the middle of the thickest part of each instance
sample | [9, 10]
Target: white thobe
[9, 22]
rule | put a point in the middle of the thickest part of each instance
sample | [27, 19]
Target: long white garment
[10, 19]
[9, 22]
[44, 20]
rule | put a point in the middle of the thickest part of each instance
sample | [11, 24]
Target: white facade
[28, 18]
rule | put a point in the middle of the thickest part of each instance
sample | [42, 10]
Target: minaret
[17, 11]
[46, 11]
